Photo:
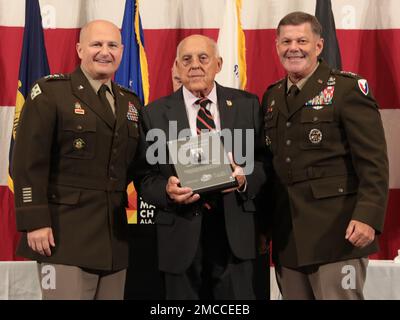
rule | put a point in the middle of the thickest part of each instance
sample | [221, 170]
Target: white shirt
[192, 108]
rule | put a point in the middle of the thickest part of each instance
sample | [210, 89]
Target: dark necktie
[204, 120]
[291, 96]
[102, 95]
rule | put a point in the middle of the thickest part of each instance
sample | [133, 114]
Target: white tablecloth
[382, 282]
[19, 280]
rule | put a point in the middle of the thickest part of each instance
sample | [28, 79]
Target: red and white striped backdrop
[368, 33]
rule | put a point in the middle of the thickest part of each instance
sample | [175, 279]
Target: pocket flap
[333, 187]
[82, 124]
[309, 115]
[63, 195]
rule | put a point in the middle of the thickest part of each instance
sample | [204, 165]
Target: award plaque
[201, 163]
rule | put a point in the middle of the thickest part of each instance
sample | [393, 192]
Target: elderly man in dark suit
[205, 247]
[324, 129]
[75, 143]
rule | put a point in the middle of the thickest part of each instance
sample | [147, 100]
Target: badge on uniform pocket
[79, 144]
[315, 136]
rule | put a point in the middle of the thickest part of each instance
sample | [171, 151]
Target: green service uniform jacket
[330, 160]
[70, 169]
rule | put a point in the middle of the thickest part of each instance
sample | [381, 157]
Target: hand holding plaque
[201, 163]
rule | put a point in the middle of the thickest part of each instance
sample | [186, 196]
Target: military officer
[75, 142]
[329, 155]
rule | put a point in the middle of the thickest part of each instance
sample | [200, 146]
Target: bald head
[199, 37]
[95, 25]
[100, 49]
[197, 63]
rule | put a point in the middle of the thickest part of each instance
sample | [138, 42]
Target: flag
[331, 51]
[133, 74]
[33, 65]
[133, 71]
[232, 47]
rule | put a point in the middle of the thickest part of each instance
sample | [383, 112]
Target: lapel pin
[80, 87]
[320, 81]
[229, 103]
[121, 93]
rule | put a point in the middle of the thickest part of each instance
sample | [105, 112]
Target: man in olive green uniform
[329, 155]
[76, 139]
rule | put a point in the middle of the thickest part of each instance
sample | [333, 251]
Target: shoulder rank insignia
[57, 76]
[347, 74]
[125, 89]
[35, 91]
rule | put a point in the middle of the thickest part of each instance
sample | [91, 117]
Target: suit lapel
[82, 89]
[226, 108]
[313, 87]
[176, 111]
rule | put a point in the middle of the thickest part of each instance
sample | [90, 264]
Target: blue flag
[133, 71]
[331, 52]
[33, 63]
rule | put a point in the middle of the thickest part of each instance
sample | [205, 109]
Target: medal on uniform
[132, 114]
[315, 136]
[323, 98]
[328, 94]
[78, 109]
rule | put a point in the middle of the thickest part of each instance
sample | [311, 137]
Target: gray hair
[297, 18]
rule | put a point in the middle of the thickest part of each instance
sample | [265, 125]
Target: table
[382, 282]
[19, 280]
